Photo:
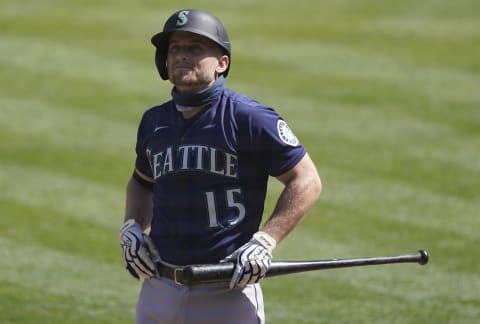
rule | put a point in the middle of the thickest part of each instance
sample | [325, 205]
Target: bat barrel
[211, 273]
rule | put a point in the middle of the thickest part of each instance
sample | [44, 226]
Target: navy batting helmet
[193, 21]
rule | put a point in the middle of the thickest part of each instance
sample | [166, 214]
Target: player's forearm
[292, 206]
[302, 189]
[139, 205]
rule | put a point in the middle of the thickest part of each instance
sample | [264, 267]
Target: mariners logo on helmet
[182, 17]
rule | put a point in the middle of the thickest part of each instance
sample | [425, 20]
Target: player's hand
[252, 260]
[138, 250]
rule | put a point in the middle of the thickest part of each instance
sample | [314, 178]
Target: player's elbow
[313, 181]
[315, 186]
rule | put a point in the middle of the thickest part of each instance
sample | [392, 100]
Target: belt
[171, 272]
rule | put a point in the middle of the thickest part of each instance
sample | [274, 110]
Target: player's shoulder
[155, 113]
[160, 109]
[244, 104]
[239, 98]
[152, 116]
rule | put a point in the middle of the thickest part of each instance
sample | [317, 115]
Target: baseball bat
[223, 272]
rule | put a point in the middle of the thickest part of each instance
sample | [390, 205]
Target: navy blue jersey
[211, 174]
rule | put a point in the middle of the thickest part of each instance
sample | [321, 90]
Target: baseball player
[203, 160]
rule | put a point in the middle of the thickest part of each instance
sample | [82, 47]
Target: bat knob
[423, 257]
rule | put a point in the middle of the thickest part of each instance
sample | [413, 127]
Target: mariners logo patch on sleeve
[286, 134]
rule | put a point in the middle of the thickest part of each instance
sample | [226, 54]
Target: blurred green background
[385, 96]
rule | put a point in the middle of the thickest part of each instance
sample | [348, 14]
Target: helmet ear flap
[161, 63]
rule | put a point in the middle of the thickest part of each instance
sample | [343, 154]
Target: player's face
[193, 61]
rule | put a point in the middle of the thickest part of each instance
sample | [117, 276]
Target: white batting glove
[138, 250]
[252, 260]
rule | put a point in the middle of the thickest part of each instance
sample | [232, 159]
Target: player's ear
[223, 62]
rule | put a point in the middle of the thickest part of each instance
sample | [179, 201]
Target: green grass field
[384, 95]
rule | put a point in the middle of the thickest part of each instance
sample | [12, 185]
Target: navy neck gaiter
[188, 101]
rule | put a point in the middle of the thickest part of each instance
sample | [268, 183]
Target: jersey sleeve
[142, 162]
[276, 146]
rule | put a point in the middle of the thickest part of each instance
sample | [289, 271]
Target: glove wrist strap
[266, 240]
[129, 223]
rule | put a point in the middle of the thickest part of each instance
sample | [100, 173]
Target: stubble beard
[191, 80]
